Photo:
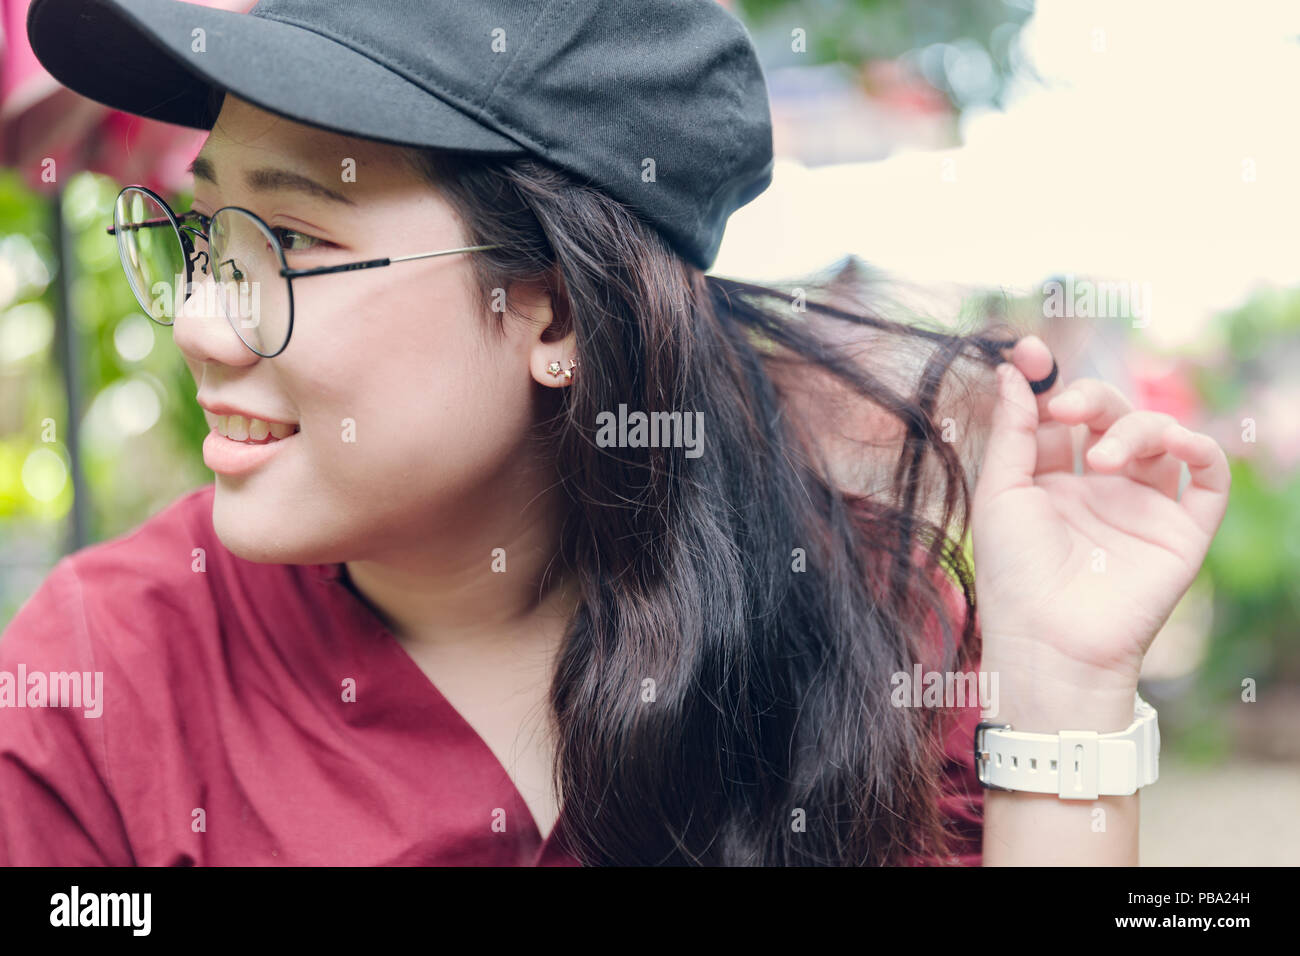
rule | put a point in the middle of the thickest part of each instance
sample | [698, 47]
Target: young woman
[446, 602]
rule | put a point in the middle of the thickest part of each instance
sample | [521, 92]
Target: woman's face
[411, 412]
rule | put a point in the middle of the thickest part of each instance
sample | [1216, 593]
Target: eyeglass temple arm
[375, 263]
[327, 270]
[132, 226]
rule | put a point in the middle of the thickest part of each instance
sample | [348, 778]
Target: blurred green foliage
[1254, 561]
[965, 48]
[141, 431]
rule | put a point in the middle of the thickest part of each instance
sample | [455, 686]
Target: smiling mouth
[252, 431]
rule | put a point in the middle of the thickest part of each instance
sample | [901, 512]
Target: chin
[262, 535]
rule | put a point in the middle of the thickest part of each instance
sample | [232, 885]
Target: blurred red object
[41, 120]
[901, 87]
[1164, 385]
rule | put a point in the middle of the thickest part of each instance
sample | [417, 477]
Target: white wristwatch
[1074, 764]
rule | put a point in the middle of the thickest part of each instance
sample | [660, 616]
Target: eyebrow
[269, 178]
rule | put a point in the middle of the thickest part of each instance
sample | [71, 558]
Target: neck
[489, 577]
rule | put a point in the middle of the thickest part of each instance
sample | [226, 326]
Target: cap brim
[138, 56]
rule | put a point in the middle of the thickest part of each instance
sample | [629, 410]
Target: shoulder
[152, 550]
[112, 628]
[123, 595]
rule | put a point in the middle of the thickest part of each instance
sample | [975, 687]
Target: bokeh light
[44, 474]
[133, 337]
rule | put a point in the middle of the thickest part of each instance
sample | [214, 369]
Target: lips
[240, 443]
[233, 458]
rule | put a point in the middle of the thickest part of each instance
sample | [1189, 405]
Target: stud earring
[554, 369]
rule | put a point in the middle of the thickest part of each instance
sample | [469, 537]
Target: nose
[202, 331]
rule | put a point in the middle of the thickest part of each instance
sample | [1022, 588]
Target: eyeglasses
[254, 287]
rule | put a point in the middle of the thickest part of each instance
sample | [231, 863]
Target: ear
[552, 345]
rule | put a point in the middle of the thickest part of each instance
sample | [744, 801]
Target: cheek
[401, 371]
[407, 413]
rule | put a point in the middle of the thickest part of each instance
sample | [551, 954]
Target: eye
[291, 240]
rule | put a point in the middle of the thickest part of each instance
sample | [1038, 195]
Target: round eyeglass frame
[189, 254]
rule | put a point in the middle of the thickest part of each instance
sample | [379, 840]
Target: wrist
[1033, 712]
[1052, 695]
[1064, 662]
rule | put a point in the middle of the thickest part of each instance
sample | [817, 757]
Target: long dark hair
[722, 694]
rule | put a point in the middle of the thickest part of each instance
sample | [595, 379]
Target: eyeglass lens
[242, 255]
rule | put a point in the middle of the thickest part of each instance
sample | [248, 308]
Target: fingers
[1033, 359]
[1092, 403]
[1137, 446]
[1152, 448]
[1032, 434]
[1011, 452]
[1206, 496]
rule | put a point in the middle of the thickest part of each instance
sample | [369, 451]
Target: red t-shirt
[253, 714]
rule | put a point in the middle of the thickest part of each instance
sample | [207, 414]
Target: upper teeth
[239, 428]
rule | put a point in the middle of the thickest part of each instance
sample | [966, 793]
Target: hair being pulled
[723, 693]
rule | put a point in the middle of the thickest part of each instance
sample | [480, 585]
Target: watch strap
[1073, 764]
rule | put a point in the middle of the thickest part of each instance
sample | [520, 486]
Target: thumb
[1011, 453]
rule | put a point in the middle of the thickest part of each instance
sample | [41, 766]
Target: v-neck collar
[335, 579]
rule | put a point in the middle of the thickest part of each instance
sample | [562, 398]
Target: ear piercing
[554, 369]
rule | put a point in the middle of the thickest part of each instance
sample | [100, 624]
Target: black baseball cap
[660, 103]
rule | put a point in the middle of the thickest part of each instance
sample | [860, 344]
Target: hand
[1075, 574]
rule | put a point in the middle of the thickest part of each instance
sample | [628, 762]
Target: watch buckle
[981, 755]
